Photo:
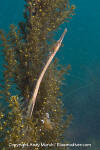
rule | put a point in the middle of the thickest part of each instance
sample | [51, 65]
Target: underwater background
[81, 89]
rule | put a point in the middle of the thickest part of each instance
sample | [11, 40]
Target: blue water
[81, 50]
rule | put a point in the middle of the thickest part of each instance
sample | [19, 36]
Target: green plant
[26, 49]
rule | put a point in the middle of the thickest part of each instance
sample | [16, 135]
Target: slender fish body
[55, 49]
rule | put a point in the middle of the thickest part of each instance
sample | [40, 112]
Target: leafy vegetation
[26, 49]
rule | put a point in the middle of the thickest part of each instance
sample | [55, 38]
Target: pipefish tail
[35, 92]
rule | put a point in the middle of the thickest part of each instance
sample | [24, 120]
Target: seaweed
[25, 51]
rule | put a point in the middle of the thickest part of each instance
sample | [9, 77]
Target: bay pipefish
[33, 99]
